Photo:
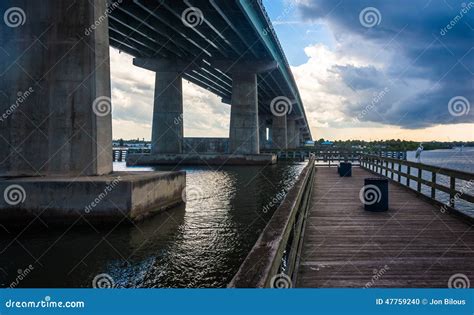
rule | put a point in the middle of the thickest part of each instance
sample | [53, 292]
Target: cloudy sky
[365, 70]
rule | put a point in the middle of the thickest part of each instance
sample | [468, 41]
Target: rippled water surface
[199, 244]
[456, 159]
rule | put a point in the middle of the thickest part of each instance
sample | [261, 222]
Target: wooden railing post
[452, 192]
[418, 187]
[433, 181]
[408, 175]
[399, 172]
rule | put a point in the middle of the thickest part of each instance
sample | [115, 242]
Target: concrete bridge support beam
[167, 130]
[55, 90]
[56, 126]
[279, 133]
[291, 133]
[244, 130]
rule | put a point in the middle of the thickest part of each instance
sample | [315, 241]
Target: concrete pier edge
[120, 197]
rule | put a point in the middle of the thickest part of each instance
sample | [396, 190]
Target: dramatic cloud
[398, 65]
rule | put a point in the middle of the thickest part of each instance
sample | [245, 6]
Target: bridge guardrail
[460, 183]
[276, 251]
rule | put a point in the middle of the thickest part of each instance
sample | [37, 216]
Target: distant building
[327, 142]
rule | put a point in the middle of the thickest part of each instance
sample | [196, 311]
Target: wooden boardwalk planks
[411, 245]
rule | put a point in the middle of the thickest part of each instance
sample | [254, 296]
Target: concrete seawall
[119, 197]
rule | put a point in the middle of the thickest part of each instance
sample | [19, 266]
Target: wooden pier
[321, 236]
[412, 245]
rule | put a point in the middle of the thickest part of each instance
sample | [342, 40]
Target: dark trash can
[345, 169]
[374, 194]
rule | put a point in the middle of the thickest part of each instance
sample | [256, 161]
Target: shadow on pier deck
[411, 245]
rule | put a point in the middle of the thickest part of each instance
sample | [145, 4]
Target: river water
[199, 244]
[456, 159]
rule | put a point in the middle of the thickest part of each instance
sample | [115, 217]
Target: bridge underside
[226, 47]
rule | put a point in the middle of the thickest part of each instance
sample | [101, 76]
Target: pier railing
[332, 157]
[427, 180]
[275, 253]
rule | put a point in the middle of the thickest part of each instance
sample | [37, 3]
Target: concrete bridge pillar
[279, 133]
[54, 89]
[297, 138]
[167, 130]
[55, 121]
[244, 130]
[244, 122]
[291, 133]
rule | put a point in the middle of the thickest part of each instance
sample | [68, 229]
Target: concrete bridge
[226, 47]
[55, 100]
[55, 104]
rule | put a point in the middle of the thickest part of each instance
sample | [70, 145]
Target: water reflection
[201, 244]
